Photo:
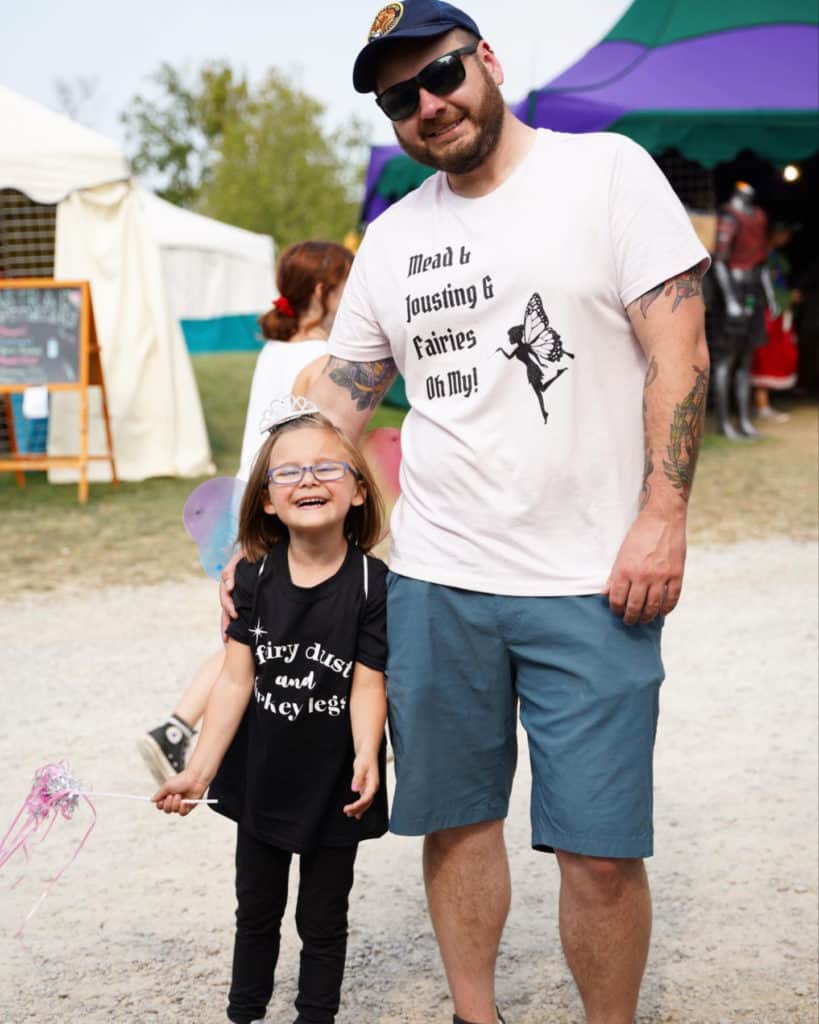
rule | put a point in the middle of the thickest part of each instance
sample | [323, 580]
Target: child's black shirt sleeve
[245, 577]
[372, 634]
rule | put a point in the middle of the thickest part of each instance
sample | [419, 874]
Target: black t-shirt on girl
[287, 774]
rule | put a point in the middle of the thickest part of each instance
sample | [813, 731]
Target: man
[541, 297]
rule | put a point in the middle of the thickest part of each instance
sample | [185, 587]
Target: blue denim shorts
[462, 664]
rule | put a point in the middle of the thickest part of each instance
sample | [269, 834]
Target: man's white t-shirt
[522, 452]
[277, 367]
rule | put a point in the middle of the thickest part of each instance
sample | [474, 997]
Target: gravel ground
[139, 928]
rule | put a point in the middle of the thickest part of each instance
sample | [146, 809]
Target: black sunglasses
[440, 77]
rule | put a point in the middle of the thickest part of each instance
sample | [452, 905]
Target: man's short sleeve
[652, 236]
[357, 335]
[371, 649]
[243, 591]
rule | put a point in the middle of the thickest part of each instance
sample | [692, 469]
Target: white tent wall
[157, 422]
[211, 269]
[102, 237]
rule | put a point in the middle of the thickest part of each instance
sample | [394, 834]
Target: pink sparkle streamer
[54, 793]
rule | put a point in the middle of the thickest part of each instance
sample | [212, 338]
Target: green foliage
[258, 157]
[176, 135]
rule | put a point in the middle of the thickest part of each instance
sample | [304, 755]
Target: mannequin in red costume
[745, 290]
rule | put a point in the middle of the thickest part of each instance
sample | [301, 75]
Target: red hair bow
[283, 306]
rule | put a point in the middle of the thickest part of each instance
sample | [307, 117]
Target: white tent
[212, 270]
[102, 236]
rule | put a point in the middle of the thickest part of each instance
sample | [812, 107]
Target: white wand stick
[131, 796]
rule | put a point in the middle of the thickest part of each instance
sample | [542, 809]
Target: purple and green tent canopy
[708, 78]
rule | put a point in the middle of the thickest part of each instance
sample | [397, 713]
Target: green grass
[134, 534]
[747, 490]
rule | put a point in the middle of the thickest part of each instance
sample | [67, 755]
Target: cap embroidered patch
[385, 21]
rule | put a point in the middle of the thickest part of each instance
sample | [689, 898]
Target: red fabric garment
[742, 237]
[775, 363]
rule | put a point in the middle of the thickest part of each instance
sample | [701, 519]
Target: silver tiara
[284, 408]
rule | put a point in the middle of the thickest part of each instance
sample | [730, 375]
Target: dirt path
[139, 928]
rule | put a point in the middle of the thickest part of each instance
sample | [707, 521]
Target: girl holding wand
[292, 744]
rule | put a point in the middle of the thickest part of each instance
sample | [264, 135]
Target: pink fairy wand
[55, 793]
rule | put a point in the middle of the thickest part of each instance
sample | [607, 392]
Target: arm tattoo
[649, 297]
[687, 285]
[648, 465]
[366, 382]
[684, 286]
[686, 432]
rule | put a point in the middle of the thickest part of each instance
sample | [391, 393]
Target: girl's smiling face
[311, 505]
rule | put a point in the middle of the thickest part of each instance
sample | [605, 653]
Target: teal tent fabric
[237, 333]
[650, 22]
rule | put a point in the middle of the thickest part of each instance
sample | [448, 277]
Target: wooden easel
[88, 374]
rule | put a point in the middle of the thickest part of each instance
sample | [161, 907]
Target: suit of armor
[738, 323]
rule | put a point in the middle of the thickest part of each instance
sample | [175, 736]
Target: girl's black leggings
[325, 880]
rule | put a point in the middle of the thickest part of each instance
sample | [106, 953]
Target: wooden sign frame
[89, 369]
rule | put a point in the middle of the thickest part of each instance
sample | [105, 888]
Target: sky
[314, 41]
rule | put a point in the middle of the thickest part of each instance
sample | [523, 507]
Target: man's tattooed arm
[685, 435]
[676, 385]
[684, 286]
[348, 392]
[366, 383]
[646, 577]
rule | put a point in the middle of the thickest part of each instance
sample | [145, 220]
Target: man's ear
[490, 61]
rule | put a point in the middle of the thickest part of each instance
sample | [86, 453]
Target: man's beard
[464, 158]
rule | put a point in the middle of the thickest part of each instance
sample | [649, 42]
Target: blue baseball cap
[412, 19]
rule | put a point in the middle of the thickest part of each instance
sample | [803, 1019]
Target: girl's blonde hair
[260, 530]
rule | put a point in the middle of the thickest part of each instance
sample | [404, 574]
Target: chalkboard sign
[48, 339]
[40, 335]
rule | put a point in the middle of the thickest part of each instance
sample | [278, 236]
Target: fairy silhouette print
[539, 347]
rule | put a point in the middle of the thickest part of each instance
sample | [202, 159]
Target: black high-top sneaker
[165, 749]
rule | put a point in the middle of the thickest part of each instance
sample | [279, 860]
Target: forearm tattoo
[686, 433]
[684, 286]
[367, 383]
[648, 465]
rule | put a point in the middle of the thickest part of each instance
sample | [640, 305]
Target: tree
[258, 158]
[176, 137]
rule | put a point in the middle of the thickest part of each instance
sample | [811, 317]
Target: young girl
[292, 744]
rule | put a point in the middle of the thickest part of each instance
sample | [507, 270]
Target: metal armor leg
[722, 373]
[742, 390]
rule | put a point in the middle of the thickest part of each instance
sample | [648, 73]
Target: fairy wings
[544, 342]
